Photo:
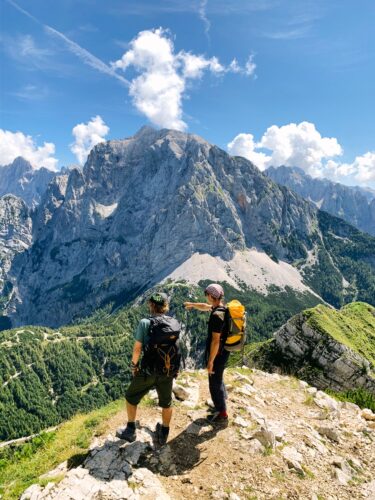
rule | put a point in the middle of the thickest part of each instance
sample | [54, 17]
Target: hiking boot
[217, 418]
[128, 434]
[162, 434]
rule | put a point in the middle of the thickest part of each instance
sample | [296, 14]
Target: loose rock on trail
[283, 441]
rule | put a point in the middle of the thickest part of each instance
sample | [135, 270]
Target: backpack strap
[224, 328]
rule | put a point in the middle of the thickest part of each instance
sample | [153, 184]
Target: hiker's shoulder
[219, 312]
[143, 326]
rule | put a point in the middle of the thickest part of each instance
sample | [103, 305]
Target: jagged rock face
[51, 200]
[15, 236]
[320, 359]
[139, 208]
[353, 204]
[22, 180]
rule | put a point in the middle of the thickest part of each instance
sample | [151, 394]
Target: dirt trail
[284, 440]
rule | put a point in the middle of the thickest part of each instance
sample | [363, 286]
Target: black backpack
[161, 354]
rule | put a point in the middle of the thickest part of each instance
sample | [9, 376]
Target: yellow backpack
[236, 317]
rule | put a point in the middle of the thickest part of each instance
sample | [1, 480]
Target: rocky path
[284, 440]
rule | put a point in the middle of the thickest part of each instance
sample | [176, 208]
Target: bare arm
[137, 349]
[200, 306]
[214, 348]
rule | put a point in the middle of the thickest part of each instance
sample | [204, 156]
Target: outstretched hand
[189, 305]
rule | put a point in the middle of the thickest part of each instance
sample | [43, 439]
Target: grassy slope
[353, 325]
[21, 466]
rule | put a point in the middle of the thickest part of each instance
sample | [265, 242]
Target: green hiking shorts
[142, 384]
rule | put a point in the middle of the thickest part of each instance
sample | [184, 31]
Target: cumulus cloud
[301, 145]
[290, 145]
[244, 145]
[13, 144]
[361, 171]
[163, 74]
[87, 135]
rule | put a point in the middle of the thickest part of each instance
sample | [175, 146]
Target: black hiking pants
[216, 382]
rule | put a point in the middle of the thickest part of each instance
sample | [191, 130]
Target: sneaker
[127, 433]
[217, 418]
[161, 436]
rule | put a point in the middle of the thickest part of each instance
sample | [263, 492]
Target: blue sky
[301, 89]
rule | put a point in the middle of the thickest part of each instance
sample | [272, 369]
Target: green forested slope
[46, 375]
[343, 252]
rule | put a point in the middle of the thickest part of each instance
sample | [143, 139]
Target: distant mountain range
[22, 180]
[354, 204]
[165, 205]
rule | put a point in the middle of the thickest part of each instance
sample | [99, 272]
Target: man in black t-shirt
[216, 355]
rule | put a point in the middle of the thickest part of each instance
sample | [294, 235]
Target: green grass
[21, 466]
[360, 397]
[353, 325]
[148, 402]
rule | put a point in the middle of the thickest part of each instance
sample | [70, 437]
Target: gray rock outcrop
[15, 238]
[319, 359]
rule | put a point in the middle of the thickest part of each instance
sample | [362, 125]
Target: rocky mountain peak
[139, 209]
[22, 180]
[21, 165]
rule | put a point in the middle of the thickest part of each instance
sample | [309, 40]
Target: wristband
[133, 365]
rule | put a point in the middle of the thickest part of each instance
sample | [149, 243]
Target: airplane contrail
[73, 47]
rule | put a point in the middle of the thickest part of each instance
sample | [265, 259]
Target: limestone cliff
[328, 348]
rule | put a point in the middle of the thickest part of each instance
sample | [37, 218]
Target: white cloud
[290, 145]
[244, 145]
[30, 92]
[159, 88]
[250, 66]
[364, 167]
[193, 66]
[87, 135]
[13, 144]
[361, 171]
[202, 11]
[301, 145]
[24, 50]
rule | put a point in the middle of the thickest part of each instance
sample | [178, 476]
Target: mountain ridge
[142, 207]
[354, 204]
[147, 182]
